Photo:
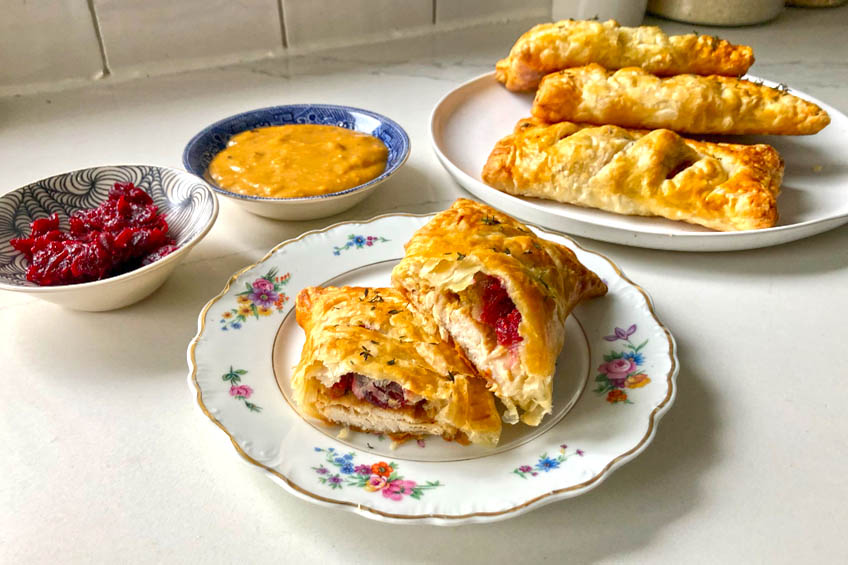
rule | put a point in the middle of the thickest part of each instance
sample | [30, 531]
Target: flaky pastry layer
[551, 47]
[544, 280]
[372, 332]
[646, 173]
[634, 98]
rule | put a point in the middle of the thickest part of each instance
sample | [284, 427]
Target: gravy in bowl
[298, 160]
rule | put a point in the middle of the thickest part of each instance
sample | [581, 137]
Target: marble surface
[107, 459]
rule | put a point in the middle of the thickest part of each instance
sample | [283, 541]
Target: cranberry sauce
[385, 394]
[342, 387]
[499, 312]
[121, 234]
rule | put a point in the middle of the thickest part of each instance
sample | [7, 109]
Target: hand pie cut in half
[502, 294]
[551, 47]
[722, 186]
[373, 364]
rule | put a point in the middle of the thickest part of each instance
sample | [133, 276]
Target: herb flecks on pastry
[688, 103]
[721, 186]
[502, 294]
[373, 364]
[551, 47]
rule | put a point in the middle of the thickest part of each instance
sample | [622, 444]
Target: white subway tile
[455, 11]
[141, 34]
[47, 40]
[311, 23]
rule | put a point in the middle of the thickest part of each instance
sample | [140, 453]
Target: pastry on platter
[502, 294]
[721, 186]
[373, 364]
[573, 43]
[635, 98]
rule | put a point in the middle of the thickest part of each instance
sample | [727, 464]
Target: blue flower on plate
[546, 464]
[347, 469]
[637, 358]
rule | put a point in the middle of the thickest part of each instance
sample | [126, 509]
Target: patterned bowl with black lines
[188, 204]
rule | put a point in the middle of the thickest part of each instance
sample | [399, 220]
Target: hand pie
[634, 98]
[646, 173]
[373, 364]
[502, 294]
[555, 46]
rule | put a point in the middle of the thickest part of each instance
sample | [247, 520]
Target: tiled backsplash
[141, 34]
[314, 23]
[450, 11]
[47, 40]
[45, 44]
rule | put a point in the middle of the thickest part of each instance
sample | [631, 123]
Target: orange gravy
[298, 160]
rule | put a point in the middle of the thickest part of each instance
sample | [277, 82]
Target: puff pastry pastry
[502, 294]
[555, 46]
[634, 98]
[647, 173]
[373, 364]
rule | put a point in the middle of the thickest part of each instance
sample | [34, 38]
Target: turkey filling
[483, 320]
[382, 406]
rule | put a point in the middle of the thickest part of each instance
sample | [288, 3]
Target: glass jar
[815, 3]
[717, 12]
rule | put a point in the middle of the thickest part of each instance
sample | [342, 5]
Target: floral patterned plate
[615, 379]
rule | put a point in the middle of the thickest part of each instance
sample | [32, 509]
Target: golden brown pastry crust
[634, 98]
[544, 279]
[647, 173]
[372, 332]
[560, 45]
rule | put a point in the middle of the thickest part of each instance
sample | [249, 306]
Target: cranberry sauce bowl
[186, 204]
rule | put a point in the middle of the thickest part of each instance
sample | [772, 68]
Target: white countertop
[107, 459]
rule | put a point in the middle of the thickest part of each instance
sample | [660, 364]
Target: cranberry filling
[383, 394]
[499, 312]
[342, 386]
[121, 234]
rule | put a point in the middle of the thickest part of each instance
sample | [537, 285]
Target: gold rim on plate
[657, 412]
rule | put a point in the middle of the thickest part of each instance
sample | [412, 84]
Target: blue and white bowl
[188, 204]
[213, 139]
